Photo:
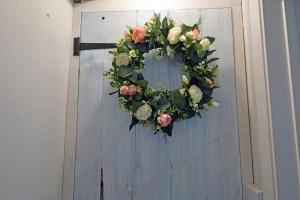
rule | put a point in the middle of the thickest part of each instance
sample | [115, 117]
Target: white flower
[122, 59]
[205, 43]
[182, 38]
[132, 53]
[182, 91]
[174, 34]
[213, 103]
[195, 94]
[143, 112]
[189, 35]
[185, 80]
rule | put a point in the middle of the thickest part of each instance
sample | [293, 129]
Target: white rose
[195, 94]
[174, 34]
[132, 54]
[122, 59]
[185, 80]
[143, 112]
[182, 38]
[205, 43]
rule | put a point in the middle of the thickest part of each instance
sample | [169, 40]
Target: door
[201, 161]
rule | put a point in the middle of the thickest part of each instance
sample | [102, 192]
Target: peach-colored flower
[124, 90]
[138, 34]
[127, 36]
[132, 90]
[164, 120]
[193, 34]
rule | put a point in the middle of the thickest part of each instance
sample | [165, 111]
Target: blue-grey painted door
[202, 159]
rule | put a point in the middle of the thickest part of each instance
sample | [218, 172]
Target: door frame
[257, 175]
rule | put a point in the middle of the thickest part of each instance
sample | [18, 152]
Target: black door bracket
[78, 46]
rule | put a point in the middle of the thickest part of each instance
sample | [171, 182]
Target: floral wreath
[159, 107]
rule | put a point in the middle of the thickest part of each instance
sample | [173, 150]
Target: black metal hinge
[90, 46]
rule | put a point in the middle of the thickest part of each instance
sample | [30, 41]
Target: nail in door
[202, 159]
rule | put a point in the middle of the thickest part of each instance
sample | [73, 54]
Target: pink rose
[195, 34]
[164, 120]
[127, 36]
[132, 90]
[124, 90]
[138, 34]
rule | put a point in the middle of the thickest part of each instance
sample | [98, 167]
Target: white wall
[35, 38]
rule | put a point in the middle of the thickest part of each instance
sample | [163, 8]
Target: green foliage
[199, 69]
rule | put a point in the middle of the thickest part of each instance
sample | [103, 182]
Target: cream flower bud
[182, 38]
[195, 94]
[189, 35]
[213, 103]
[143, 112]
[132, 54]
[182, 91]
[185, 80]
[205, 43]
[174, 34]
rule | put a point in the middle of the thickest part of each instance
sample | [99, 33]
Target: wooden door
[201, 161]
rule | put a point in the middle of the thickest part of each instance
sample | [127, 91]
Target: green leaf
[142, 83]
[153, 104]
[211, 60]
[154, 94]
[168, 130]
[163, 104]
[125, 71]
[164, 25]
[199, 115]
[208, 53]
[138, 97]
[211, 39]
[140, 76]
[122, 49]
[136, 105]
[185, 28]
[134, 121]
[179, 56]
[133, 76]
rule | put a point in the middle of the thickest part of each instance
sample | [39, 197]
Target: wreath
[160, 107]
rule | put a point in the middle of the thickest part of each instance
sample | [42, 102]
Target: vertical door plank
[151, 159]
[117, 142]
[103, 142]
[187, 146]
[88, 162]
[223, 154]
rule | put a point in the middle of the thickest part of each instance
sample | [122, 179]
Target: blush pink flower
[196, 34]
[138, 34]
[164, 120]
[193, 34]
[124, 90]
[132, 90]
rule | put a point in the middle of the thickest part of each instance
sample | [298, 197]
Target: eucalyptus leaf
[163, 104]
[125, 71]
[142, 83]
[168, 130]
[134, 121]
[136, 105]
